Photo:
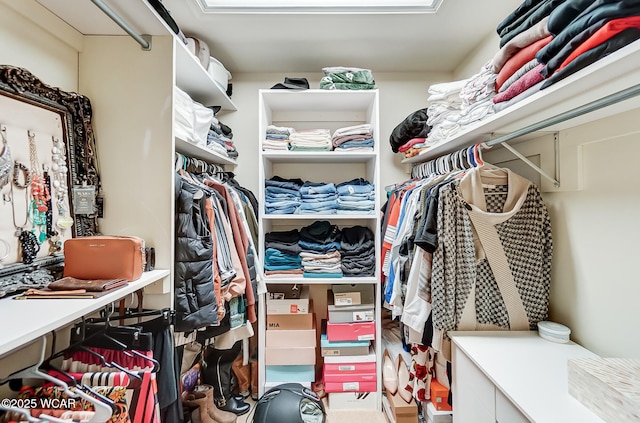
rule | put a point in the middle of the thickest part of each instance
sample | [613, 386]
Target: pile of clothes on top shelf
[347, 78]
[541, 43]
[350, 138]
[198, 124]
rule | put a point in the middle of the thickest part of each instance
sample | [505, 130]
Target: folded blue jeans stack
[356, 196]
[282, 196]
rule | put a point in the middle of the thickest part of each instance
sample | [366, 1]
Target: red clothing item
[608, 30]
[413, 141]
[525, 82]
[519, 59]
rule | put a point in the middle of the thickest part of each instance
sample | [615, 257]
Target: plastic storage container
[552, 331]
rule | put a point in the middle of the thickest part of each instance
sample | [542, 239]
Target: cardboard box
[285, 374]
[290, 356]
[343, 348]
[432, 415]
[277, 322]
[277, 303]
[348, 368]
[351, 313]
[363, 331]
[291, 338]
[439, 396]
[368, 386]
[369, 358]
[353, 294]
[403, 412]
[269, 385]
[348, 378]
[352, 401]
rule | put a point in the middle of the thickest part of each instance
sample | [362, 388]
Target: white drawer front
[506, 412]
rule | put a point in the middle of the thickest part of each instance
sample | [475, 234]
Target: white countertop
[530, 371]
[23, 321]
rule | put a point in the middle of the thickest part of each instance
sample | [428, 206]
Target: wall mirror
[47, 136]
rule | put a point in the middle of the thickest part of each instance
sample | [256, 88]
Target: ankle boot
[198, 401]
[219, 416]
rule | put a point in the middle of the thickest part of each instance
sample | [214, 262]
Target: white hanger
[103, 411]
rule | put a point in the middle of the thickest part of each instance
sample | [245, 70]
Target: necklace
[59, 169]
[5, 158]
[17, 168]
[39, 191]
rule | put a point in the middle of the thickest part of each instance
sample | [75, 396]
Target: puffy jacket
[195, 301]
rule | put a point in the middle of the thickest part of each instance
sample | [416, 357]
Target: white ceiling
[307, 43]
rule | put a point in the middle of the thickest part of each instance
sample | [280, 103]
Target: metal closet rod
[603, 102]
[143, 40]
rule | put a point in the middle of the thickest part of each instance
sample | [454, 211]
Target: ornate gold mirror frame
[75, 114]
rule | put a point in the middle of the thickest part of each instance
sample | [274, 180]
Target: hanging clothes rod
[144, 40]
[603, 102]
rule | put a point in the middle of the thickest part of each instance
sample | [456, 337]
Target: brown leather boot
[243, 376]
[198, 402]
[254, 380]
[218, 416]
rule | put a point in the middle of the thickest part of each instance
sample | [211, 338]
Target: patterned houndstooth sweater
[514, 206]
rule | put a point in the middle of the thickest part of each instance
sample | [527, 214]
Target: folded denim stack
[320, 244]
[282, 253]
[282, 196]
[358, 251]
[356, 196]
[318, 198]
[311, 140]
[353, 138]
[277, 138]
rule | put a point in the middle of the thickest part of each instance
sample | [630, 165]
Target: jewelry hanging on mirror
[5, 253]
[5, 159]
[55, 245]
[39, 191]
[26, 239]
[59, 169]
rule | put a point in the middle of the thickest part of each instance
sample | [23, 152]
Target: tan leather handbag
[104, 257]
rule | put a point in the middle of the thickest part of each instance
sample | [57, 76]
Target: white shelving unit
[313, 109]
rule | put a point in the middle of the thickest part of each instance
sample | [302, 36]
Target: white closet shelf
[38, 317]
[195, 80]
[296, 219]
[609, 75]
[319, 281]
[198, 152]
[318, 101]
[319, 157]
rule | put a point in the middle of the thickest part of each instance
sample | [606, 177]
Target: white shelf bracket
[553, 179]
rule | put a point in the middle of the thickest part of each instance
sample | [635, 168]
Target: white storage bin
[219, 73]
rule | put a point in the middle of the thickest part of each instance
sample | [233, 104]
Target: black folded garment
[413, 126]
[292, 84]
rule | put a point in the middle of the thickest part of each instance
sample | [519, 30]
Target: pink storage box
[346, 378]
[290, 356]
[348, 368]
[349, 386]
[362, 331]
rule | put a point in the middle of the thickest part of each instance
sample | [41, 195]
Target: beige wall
[595, 283]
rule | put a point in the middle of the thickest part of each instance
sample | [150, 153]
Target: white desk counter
[511, 377]
[24, 321]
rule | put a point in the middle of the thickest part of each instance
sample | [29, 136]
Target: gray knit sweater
[514, 206]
